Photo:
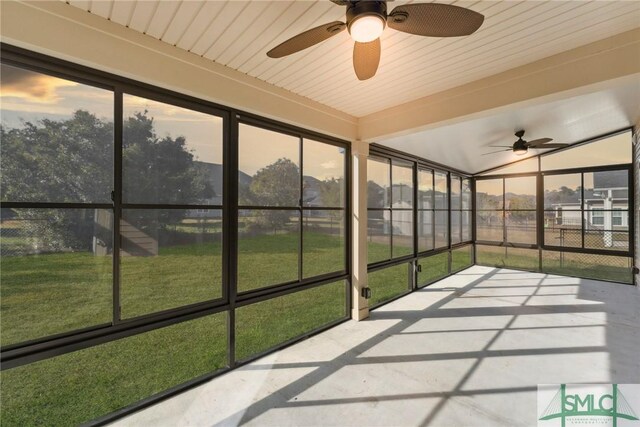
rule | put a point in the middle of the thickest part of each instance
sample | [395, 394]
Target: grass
[433, 268]
[590, 266]
[266, 324]
[54, 293]
[571, 238]
[44, 294]
[59, 292]
[80, 386]
[617, 269]
[388, 283]
[461, 258]
[178, 276]
[270, 259]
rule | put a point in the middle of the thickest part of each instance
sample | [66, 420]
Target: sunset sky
[31, 96]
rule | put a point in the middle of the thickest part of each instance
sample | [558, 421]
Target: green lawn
[496, 256]
[48, 294]
[461, 258]
[43, 295]
[572, 264]
[433, 268]
[388, 283]
[617, 269]
[270, 259]
[393, 281]
[53, 293]
[80, 386]
[178, 276]
[266, 324]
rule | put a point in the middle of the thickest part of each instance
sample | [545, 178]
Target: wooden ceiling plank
[181, 23]
[101, 8]
[224, 18]
[162, 18]
[142, 15]
[121, 12]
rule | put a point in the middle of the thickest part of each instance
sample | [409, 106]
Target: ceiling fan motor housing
[359, 9]
[520, 145]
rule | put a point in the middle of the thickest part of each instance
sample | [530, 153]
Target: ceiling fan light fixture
[520, 151]
[366, 28]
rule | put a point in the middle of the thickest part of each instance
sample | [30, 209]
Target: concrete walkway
[469, 350]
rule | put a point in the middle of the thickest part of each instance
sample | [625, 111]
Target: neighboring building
[605, 209]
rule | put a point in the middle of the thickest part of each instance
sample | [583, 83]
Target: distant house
[214, 176]
[606, 205]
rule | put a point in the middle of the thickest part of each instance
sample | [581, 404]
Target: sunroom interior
[193, 233]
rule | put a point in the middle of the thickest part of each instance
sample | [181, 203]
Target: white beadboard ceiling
[465, 145]
[238, 34]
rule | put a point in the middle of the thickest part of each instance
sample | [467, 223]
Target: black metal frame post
[52, 346]
[117, 202]
[388, 155]
[541, 245]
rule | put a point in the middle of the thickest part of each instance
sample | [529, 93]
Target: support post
[359, 154]
[635, 221]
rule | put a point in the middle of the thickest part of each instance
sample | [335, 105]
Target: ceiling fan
[366, 20]
[521, 146]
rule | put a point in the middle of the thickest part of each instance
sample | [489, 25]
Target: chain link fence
[19, 237]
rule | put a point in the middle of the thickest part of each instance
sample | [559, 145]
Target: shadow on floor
[468, 350]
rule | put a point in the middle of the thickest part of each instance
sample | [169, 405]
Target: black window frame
[503, 210]
[377, 152]
[494, 173]
[584, 212]
[299, 207]
[431, 209]
[27, 352]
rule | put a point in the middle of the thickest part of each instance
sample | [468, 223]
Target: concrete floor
[469, 350]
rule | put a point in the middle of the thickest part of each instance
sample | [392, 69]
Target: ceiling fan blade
[434, 20]
[366, 58]
[307, 39]
[500, 146]
[537, 142]
[494, 152]
[545, 146]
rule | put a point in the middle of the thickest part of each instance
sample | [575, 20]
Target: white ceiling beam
[539, 81]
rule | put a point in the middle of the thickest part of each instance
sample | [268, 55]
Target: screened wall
[150, 241]
[419, 223]
[566, 212]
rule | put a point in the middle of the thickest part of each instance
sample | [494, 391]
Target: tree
[159, 170]
[277, 184]
[71, 160]
[376, 196]
[488, 201]
[520, 208]
[331, 194]
[331, 191]
[58, 161]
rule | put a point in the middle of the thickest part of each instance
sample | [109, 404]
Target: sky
[202, 132]
[261, 147]
[522, 186]
[32, 96]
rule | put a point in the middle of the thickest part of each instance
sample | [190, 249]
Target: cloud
[36, 87]
[331, 164]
